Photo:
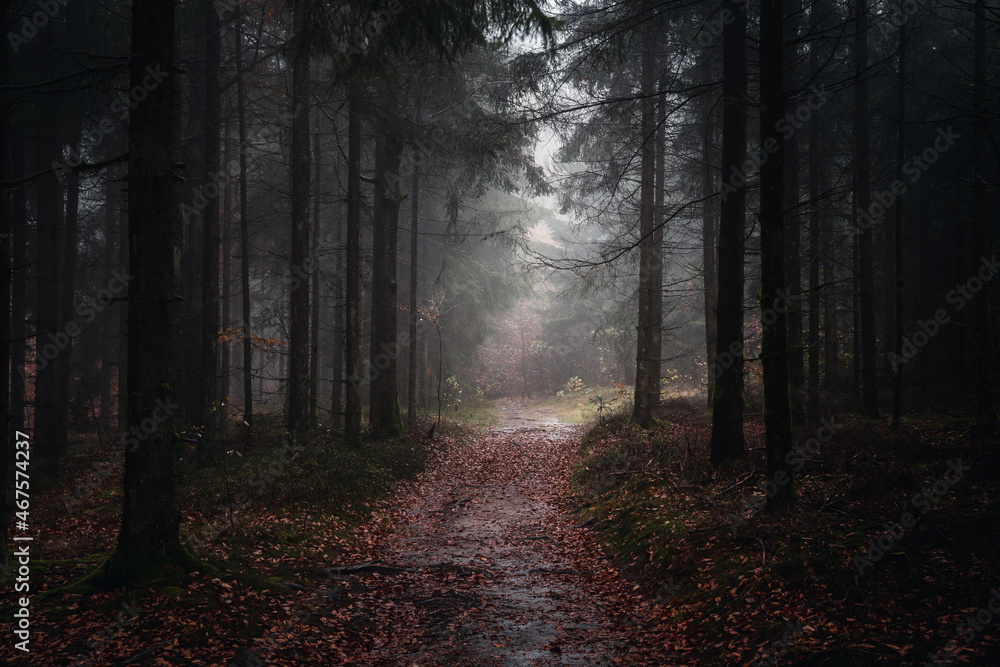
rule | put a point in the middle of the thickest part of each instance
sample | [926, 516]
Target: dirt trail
[497, 570]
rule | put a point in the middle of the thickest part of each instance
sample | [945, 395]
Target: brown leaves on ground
[483, 561]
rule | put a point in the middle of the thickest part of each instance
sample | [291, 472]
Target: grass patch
[483, 415]
[583, 406]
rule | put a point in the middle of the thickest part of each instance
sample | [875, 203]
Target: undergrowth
[699, 541]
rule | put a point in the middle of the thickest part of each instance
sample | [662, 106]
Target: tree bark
[225, 231]
[50, 343]
[814, 228]
[123, 262]
[5, 316]
[352, 320]
[67, 267]
[411, 376]
[212, 184]
[149, 538]
[793, 234]
[19, 277]
[897, 233]
[986, 413]
[708, 229]
[244, 237]
[774, 350]
[108, 328]
[831, 353]
[298, 367]
[641, 412]
[337, 383]
[866, 261]
[386, 418]
[193, 242]
[314, 313]
[855, 309]
[659, 221]
[727, 400]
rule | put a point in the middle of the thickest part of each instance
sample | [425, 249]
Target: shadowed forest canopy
[268, 263]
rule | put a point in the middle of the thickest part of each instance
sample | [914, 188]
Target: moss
[138, 568]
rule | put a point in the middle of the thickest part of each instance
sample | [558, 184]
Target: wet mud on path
[491, 566]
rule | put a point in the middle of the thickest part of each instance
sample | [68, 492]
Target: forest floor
[518, 544]
[495, 568]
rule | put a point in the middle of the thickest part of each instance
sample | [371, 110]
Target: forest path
[497, 569]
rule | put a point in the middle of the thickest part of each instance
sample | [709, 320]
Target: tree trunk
[210, 191]
[659, 221]
[774, 350]
[50, 343]
[352, 323]
[225, 358]
[986, 413]
[244, 238]
[107, 321]
[19, 277]
[67, 305]
[386, 418]
[855, 311]
[727, 399]
[814, 228]
[314, 313]
[411, 376]
[793, 234]
[298, 367]
[708, 229]
[641, 412]
[425, 376]
[831, 353]
[866, 262]
[5, 316]
[897, 233]
[814, 284]
[123, 262]
[193, 242]
[149, 538]
[524, 356]
[337, 384]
